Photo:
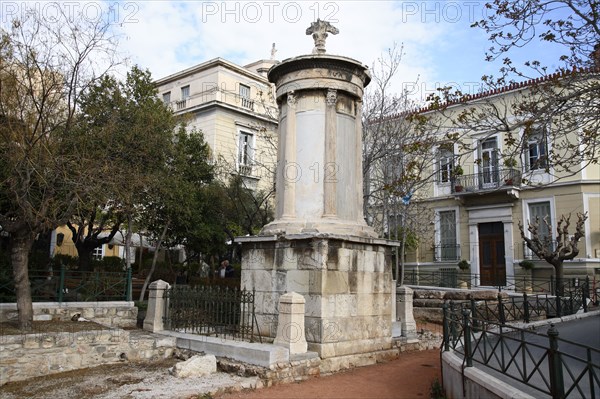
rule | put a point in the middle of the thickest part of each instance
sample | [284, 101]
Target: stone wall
[279, 373]
[111, 314]
[33, 355]
[346, 285]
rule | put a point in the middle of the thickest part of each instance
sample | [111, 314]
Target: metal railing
[482, 181]
[544, 362]
[211, 310]
[71, 286]
[455, 278]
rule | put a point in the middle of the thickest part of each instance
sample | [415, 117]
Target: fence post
[585, 293]
[525, 308]
[128, 293]
[157, 306]
[467, 337]
[61, 284]
[473, 309]
[501, 316]
[445, 330]
[557, 386]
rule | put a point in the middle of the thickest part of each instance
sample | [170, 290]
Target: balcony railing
[446, 253]
[247, 103]
[487, 180]
[180, 104]
[245, 170]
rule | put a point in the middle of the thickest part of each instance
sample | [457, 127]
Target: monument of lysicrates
[319, 244]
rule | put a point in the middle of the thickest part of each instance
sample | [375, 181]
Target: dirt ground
[409, 376]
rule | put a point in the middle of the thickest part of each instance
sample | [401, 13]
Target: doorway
[491, 254]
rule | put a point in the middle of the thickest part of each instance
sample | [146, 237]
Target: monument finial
[319, 30]
[273, 51]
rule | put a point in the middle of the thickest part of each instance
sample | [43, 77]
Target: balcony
[245, 170]
[179, 105]
[491, 180]
[247, 103]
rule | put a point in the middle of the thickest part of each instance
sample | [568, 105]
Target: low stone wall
[112, 314]
[33, 355]
[279, 373]
[472, 383]
[427, 303]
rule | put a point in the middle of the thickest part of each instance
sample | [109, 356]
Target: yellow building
[234, 108]
[474, 215]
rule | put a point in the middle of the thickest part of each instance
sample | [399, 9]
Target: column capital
[291, 99]
[331, 98]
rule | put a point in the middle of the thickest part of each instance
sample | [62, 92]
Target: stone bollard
[404, 312]
[156, 306]
[290, 324]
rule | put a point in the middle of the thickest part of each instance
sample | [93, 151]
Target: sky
[439, 46]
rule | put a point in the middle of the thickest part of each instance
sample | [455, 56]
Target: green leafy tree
[129, 130]
[45, 67]
[177, 211]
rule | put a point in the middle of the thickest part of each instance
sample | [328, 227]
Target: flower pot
[458, 189]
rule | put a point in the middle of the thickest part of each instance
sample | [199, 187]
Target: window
[537, 150]
[185, 92]
[98, 252]
[448, 248]
[245, 152]
[489, 162]
[245, 96]
[541, 210]
[244, 91]
[167, 97]
[446, 164]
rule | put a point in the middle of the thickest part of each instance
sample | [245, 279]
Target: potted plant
[510, 164]
[527, 266]
[457, 171]
[464, 267]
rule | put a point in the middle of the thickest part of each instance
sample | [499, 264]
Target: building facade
[481, 190]
[234, 108]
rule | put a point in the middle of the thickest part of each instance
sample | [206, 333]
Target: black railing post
[61, 283]
[525, 308]
[585, 293]
[501, 316]
[446, 331]
[473, 312]
[467, 337]
[557, 386]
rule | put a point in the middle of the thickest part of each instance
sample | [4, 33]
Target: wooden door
[492, 264]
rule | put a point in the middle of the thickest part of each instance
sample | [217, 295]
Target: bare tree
[399, 156]
[555, 252]
[45, 66]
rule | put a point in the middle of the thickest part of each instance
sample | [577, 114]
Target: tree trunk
[85, 260]
[19, 256]
[560, 280]
[154, 259]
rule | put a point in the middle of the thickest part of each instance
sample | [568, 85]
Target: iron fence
[557, 367]
[211, 310]
[454, 278]
[70, 285]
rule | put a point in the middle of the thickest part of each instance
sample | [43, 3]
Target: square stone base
[346, 282]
